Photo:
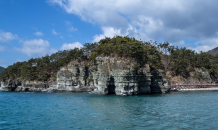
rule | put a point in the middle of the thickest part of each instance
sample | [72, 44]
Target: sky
[34, 28]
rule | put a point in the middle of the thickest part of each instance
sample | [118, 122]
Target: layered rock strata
[22, 87]
[107, 76]
[159, 83]
[74, 77]
[1, 70]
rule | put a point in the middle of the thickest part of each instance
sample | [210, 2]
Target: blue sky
[33, 28]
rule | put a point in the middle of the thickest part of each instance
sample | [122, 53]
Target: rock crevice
[107, 76]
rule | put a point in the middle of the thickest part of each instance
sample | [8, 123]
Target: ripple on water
[186, 110]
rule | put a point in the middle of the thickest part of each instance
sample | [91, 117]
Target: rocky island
[107, 76]
[119, 65]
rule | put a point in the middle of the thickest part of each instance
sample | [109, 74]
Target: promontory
[118, 65]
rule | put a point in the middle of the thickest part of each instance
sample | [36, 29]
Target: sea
[64, 111]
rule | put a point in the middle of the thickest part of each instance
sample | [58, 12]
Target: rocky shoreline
[107, 76]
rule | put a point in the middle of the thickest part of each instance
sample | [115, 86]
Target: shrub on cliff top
[179, 61]
[141, 52]
[42, 69]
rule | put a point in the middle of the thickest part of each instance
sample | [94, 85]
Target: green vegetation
[42, 69]
[140, 52]
[183, 61]
[160, 56]
[90, 79]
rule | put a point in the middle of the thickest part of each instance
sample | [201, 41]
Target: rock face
[199, 76]
[1, 69]
[7, 86]
[158, 83]
[113, 77]
[109, 76]
[32, 87]
[19, 86]
[74, 77]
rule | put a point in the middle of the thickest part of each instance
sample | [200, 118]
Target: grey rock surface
[1, 70]
[107, 76]
[19, 86]
[158, 83]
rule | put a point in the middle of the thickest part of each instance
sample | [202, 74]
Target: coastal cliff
[107, 76]
[110, 76]
[118, 65]
[23, 87]
[1, 70]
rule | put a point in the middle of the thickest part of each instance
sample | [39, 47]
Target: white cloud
[35, 47]
[2, 48]
[62, 37]
[34, 28]
[68, 23]
[71, 29]
[36, 42]
[7, 36]
[111, 32]
[166, 20]
[69, 46]
[39, 34]
[54, 32]
[107, 31]
[205, 44]
[55, 1]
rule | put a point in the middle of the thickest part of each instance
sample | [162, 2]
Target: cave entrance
[111, 86]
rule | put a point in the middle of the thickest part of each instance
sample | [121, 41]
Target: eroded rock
[108, 76]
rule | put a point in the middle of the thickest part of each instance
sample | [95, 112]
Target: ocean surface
[57, 111]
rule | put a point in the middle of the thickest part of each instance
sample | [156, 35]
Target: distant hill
[214, 51]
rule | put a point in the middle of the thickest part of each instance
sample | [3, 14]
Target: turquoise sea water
[56, 111]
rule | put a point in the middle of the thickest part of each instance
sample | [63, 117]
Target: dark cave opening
[111, 86]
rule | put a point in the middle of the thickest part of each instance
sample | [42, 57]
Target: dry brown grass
[181, 80]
